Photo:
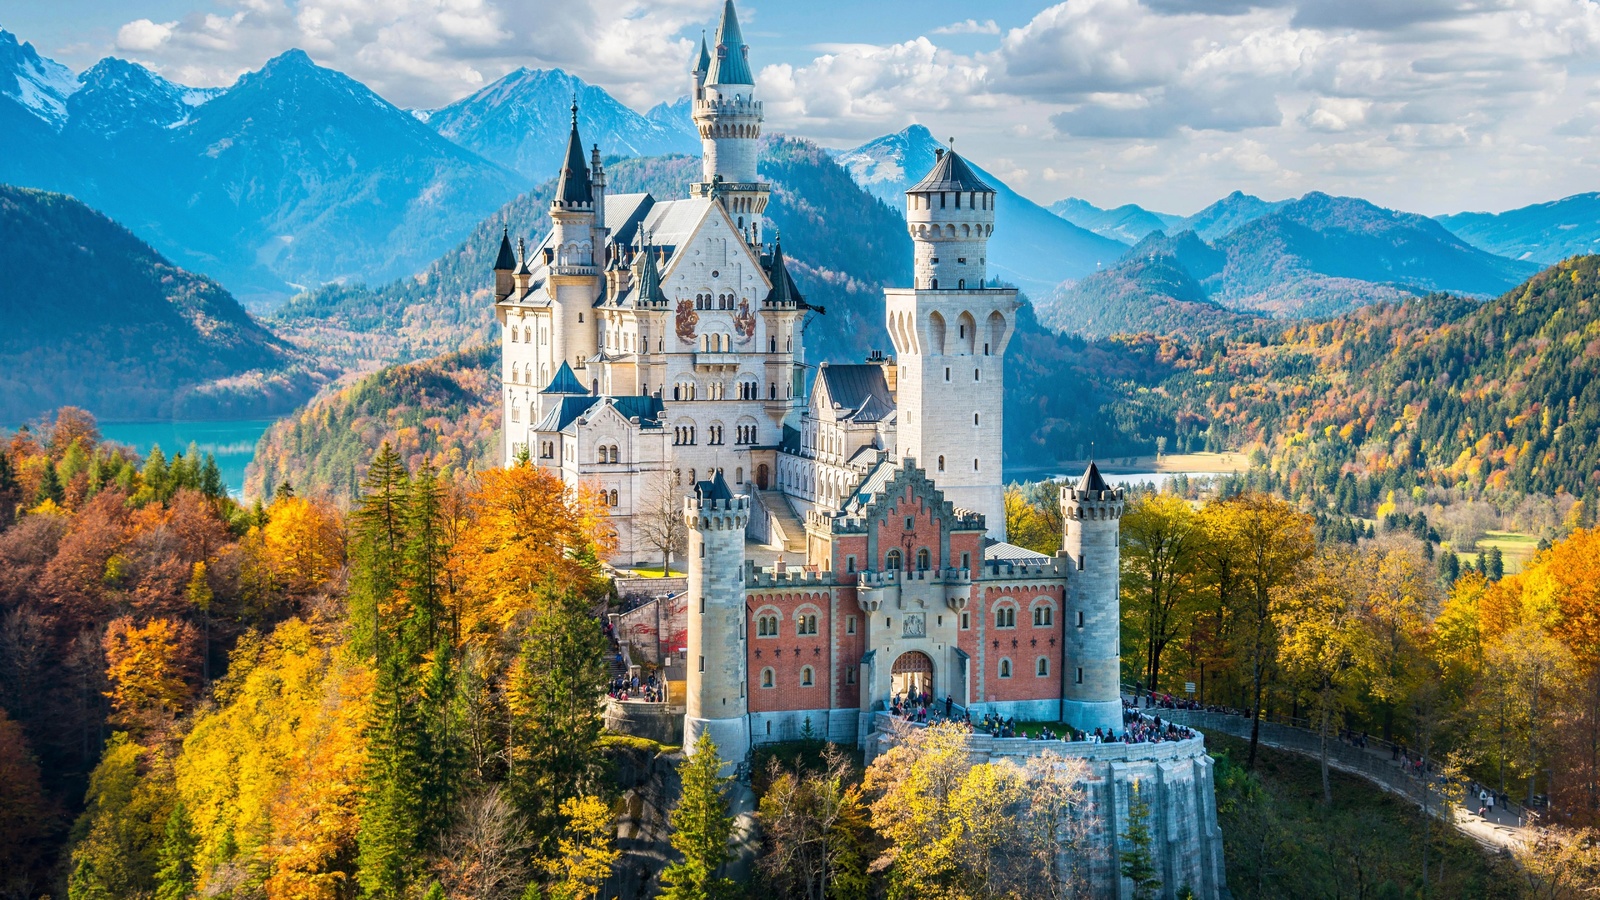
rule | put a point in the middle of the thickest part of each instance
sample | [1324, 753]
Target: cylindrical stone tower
[950, 214]
[716, 702]
[729, 119]
[1091, 691]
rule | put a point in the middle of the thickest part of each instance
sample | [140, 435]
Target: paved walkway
[1501, 830]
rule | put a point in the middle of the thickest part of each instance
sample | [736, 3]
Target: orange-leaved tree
[524, 533]
[147, 666]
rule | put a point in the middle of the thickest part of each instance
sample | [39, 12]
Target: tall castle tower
[577, 214]
[950, 335]
[1091, 693]
[729, 119]
[716, 701]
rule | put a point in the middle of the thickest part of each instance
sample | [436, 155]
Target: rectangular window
[702, 604]
[849, 563]
[965, 622]
[849, 624]
[850, 676]
[966, 560]
[1080, 675]
[1080, 618]
[703, 664]
[947, 373]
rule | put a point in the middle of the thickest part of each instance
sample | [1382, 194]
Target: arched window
[1043, 615]
[891, 561]
[1043, 669]
[613, 498]
[1005, 617]
[941, 463]
[602, 454]
[1005, 668]
[805, 622]
[924, 560]
[615, 457]
[513, 334]
[806, 676]
[768, 678]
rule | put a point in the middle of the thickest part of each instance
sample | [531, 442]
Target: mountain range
[520, 122]
[1133, 223]
[1315, 256]
[1543, 233]
[95, 318]
[1032, 248]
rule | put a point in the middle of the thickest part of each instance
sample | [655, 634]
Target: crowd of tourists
[922, 709]
[650, 690]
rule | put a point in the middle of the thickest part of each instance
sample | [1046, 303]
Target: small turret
[1091, 513]
[716, 701]
[702, 67]
[521, 276]
[504, 265]
[574, 191]
[950, 214]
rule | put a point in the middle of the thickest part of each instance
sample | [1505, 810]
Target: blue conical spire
[574, 187]
[731, 65]
[703, 64]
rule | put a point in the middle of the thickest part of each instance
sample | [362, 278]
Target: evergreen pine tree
[1449, 567]
[377, 560]
[284, 491]
[701, 827]
[154, 474]
[1138, 862]
[1496, 565]
[554, 700]
[50, 488]
[175, 877]
[391, 836]
[211, 478]
[424, 553]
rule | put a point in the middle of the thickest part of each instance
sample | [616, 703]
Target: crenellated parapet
[717, 513]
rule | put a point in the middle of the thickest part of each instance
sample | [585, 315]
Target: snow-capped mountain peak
[39, 83]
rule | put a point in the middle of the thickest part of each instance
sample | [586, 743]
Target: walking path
[1502, 829]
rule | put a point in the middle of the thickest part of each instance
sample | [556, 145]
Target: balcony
[715, 360]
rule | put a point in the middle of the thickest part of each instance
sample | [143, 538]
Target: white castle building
[653, 349]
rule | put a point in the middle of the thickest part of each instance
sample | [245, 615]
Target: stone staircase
[788, 532]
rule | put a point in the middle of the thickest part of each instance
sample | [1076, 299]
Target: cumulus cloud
[143, 35]
[970, 26]
[1159, 95]
[428, 52]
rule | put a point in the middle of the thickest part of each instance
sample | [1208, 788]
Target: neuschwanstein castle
[654, 348]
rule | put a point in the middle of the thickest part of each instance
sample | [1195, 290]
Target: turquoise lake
[233, 443]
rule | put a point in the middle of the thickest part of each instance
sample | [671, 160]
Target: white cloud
[970, 26]
[142, 35]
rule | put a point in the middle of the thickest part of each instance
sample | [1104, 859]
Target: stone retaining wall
[657, 721]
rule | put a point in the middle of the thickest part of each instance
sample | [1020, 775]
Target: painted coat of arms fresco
[686, 321]
[744, 322]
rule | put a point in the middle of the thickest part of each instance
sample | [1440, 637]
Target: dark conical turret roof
[1092, 480]
[650, 278]
[950, 173]
[507, 260]
[703, 64]
[574, 187]
[731, 65]
[784, 289]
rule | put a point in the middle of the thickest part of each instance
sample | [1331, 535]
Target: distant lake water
[1159, 479]
[233, 443]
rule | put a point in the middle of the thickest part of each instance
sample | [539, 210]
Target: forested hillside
[1503, 396]
[96, 318]
[442, 409]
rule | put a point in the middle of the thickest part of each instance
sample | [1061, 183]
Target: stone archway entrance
[911, 674]
[761, 476]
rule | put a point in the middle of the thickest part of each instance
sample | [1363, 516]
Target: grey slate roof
[703, 64]
[713, 489]
[565, 382]
[730, 64]
[784, 290]
[647, 409]
[950, 173]
[1000, 551]
[860, 390]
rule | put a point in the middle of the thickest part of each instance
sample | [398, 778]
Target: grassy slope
[1283, 842]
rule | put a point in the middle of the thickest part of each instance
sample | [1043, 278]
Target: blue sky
[1428, 105]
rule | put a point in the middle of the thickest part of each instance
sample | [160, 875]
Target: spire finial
[574, 108]
[952, 142]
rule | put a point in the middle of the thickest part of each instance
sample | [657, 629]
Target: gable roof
[562, 414]
[950, 173]
[861, 391]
